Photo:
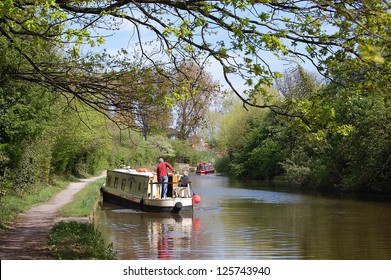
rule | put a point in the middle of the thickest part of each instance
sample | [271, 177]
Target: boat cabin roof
[140, 172]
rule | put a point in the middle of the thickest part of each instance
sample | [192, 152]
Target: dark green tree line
[344, 147]
[41, 134]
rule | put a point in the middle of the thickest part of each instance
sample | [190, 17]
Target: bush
[222, 165]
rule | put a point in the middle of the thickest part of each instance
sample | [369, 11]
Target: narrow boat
[139, 189]
[205, 168]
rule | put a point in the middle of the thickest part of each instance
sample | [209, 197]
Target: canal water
[250, 220]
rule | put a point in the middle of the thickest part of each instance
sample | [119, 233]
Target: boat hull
[171, 205]
[203, 172]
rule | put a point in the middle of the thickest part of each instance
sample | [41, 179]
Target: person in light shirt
[184, 180]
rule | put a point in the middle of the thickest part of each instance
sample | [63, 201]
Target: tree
[24, 115]
[249, 139]
[195, 97]
[359, 158]
[238, 35]
[342, 141]
[144, 92]
[80, 140]
[298, 84]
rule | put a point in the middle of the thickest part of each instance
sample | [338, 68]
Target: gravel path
[27, 239]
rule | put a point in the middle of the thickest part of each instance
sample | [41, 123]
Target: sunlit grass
[84, 202]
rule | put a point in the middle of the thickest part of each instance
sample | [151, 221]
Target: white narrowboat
[139, 189]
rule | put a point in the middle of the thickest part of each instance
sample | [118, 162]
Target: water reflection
[140, 235]
[246, 220]
[172, 236]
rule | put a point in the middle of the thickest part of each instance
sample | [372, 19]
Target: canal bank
[27, 239]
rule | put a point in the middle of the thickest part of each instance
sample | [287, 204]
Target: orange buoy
[196, 199]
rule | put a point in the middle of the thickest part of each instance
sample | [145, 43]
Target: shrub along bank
[78, 241]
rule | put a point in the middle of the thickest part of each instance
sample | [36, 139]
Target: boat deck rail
[169, 183]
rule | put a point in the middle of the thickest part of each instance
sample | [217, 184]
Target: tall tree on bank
[144, 92]
[240, 36]
[195, 95]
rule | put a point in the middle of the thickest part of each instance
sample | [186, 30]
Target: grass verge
[84, 202]
[78, 241]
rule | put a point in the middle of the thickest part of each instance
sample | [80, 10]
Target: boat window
[116, 182]
[131, 183]
[123, 184]
[108, 180]
[139, 186]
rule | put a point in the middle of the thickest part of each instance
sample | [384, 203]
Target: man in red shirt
[162, 176]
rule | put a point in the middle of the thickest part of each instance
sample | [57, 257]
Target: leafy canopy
[242, 36]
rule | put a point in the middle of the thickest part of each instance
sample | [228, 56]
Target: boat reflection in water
[168, 235]
[149, 235]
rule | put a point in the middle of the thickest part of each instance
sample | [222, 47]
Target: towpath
[27, 239]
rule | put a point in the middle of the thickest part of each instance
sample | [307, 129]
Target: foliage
[54, 97]
[129, 148]
[78, 241]
[39, 138]
[250, 140]
[83, 143]
[362, 157]
[184, 152]
[144, 99]
[243, 37]
[297, 84]
[195, 95]
[24, 115]
[346, 146]
[261, 152]
[233, 129]
[222, 165]
[64, 145]
[297, 166]
[339, 141]
[160, 146]
[208, 156]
